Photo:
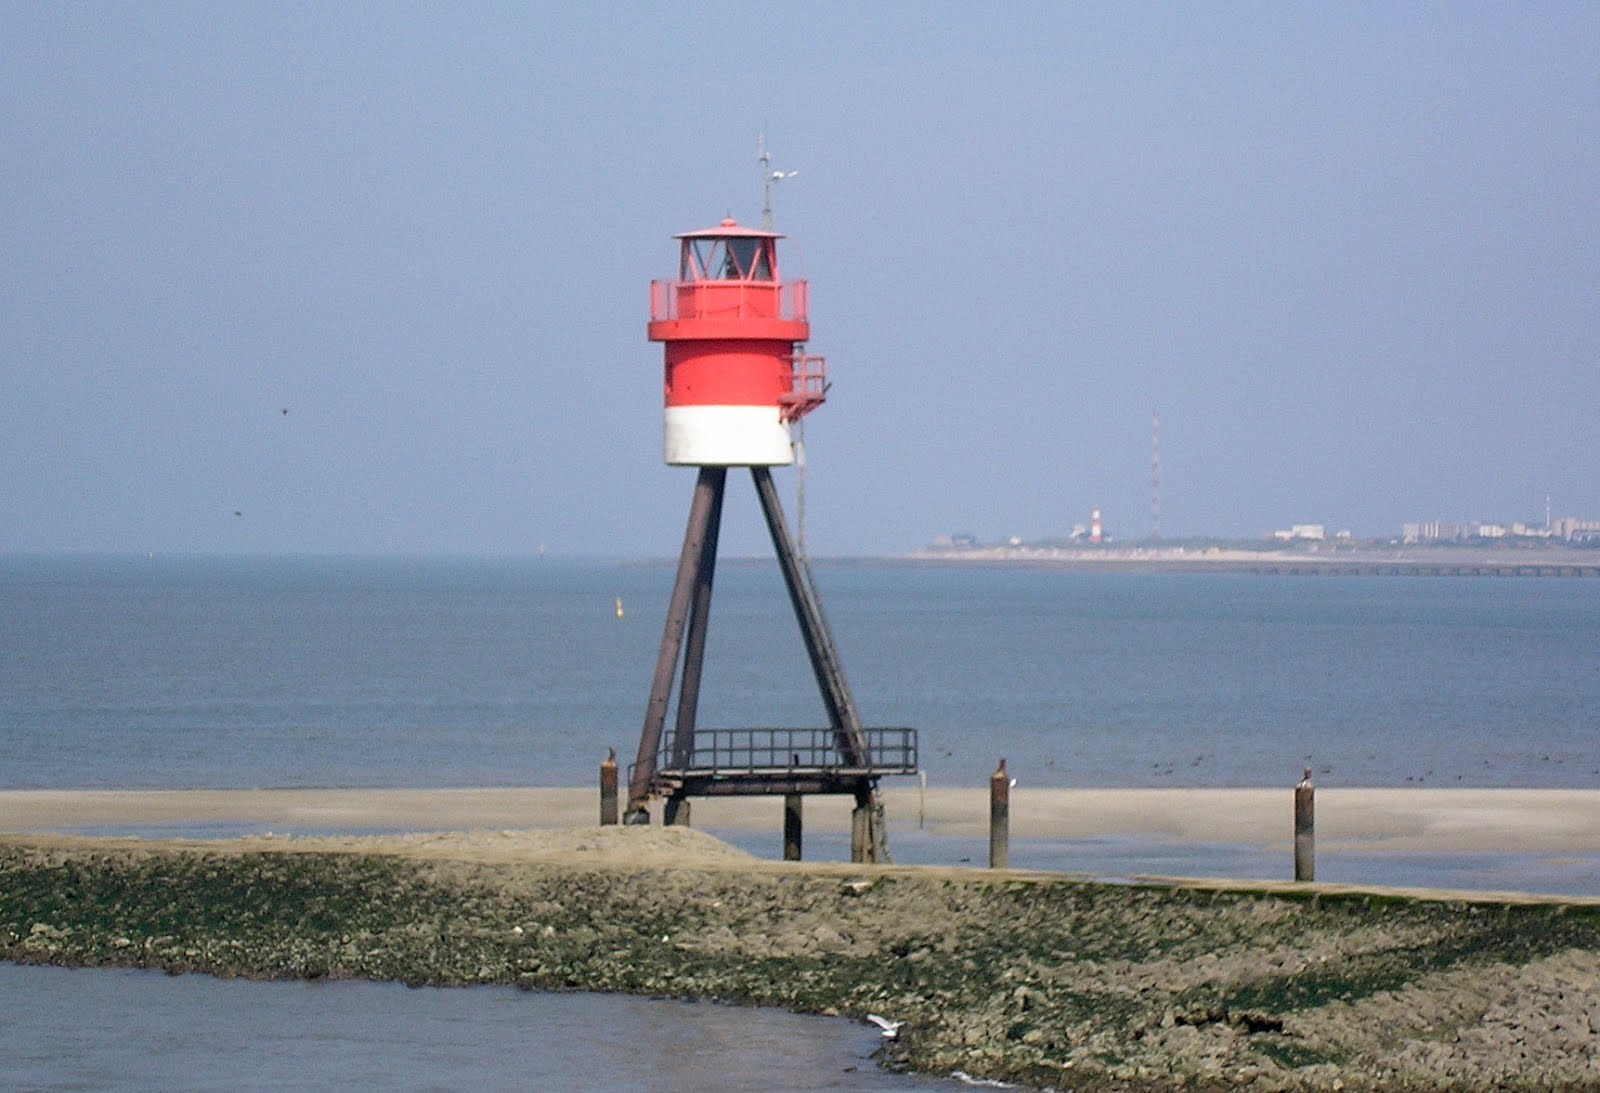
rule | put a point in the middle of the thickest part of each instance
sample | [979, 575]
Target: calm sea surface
[74, 1029]
[178, 672]
[187, 672]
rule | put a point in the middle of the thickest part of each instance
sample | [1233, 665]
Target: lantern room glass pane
[736, 258]
[748, 257]
[704, 260]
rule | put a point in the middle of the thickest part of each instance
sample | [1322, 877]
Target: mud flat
[1042, 979]
[1438, 821]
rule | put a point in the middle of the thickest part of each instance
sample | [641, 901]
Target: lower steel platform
[762, 761]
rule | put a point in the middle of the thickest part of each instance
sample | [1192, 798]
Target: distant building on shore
[1568, 528]
[1574, 530]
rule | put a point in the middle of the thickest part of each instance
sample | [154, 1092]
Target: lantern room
[733, 333]
[719, 255]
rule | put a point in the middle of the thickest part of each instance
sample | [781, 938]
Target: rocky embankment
[1043, 980]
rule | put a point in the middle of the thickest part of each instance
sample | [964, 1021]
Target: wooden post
[1305, 825]
[860, 833]
[792, 814]
[1000, 818]
[608, 788]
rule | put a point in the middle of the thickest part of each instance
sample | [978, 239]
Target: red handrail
[810, 387]
[672, 300]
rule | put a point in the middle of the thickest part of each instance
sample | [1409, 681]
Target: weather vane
[768, 177]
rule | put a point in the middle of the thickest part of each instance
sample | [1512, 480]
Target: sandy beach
[1431, 821]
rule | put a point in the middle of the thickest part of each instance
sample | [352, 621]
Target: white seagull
[891, 1029]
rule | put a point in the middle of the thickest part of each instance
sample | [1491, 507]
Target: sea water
[77, 1029]
[207, 672]
[238, 672]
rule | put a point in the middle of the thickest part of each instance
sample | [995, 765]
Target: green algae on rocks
[1043, 980]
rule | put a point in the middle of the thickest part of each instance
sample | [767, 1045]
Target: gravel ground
[1045, 980]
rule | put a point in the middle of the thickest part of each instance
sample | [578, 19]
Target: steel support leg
[694, 651]
[675, 813]
[869, 841]
[707, 497]
[814, 631]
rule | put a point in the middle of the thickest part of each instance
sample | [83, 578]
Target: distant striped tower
[1094, 526]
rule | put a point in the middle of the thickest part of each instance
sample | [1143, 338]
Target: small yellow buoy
[619, 607]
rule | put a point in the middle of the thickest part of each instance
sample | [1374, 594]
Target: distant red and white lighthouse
[737, 374]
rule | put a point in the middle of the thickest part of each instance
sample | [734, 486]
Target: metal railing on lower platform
[750, 751]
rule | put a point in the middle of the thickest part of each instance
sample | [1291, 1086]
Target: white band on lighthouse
[727, 436]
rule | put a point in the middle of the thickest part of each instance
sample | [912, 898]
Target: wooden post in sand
[1305, 841]
[793, 803]
[1000, 818]
[608, 789]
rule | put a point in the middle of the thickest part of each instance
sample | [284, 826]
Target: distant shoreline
[1116, 558]
[1426, 562]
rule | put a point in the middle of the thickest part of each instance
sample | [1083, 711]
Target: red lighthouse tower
[736, 372]
[737, 376]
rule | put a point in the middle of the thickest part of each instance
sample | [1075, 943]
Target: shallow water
[96, 1029]
[1120, 858]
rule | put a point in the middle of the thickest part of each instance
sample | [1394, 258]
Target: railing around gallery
[784, 751]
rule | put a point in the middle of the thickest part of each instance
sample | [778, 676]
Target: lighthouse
[736, 371]
[736, 377]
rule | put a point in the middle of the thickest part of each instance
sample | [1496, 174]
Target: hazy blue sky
[1350, 252]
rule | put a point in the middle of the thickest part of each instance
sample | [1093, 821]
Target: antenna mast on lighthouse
[768, 177]
[797, 429]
